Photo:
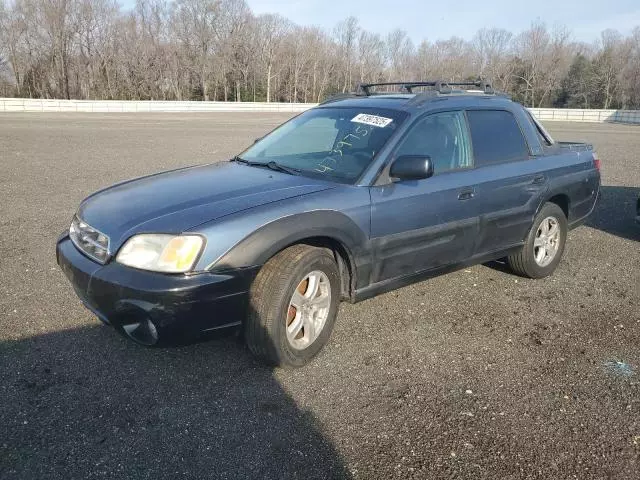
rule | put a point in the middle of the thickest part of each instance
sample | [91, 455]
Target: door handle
[466, 194]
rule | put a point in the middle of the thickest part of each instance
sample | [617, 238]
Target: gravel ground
[476, 374]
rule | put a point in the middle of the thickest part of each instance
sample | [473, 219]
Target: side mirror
[412, 167]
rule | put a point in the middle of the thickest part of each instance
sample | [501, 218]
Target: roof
[394, 101]
[411, 102]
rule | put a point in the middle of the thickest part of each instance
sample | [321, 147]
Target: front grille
[93, 243]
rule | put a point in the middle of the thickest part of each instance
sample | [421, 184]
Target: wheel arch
[326, 229]
[562, 200]
[342, 256]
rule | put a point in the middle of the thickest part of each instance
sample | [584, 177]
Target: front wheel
[293, 305]
[544, 244]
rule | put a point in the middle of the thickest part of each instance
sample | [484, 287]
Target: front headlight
[161, 253]
[88, 240]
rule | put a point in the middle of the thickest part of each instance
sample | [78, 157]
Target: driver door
[418, 225]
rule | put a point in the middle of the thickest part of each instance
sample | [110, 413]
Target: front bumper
[149, 306]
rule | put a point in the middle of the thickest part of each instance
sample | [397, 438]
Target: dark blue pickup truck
[363, 194]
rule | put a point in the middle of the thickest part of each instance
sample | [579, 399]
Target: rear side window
[496, 137]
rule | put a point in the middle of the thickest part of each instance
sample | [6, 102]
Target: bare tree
[555, 64]
[196, 22]
[218, 50]
[492, 50]
[11, 31]
[346, 35]
[608, 65]
[235, 55]
[272, 31]
[630, 74]
[400, 53]
[371, 51]
[531, 47]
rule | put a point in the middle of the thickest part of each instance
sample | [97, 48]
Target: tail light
[596, 161]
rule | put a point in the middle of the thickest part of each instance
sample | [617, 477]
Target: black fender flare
[263, 243]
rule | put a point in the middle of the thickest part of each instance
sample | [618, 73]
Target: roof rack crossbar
[366, 87]
[442, 86]
[485, 85]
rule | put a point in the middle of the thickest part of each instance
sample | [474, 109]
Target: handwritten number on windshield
[359, 133]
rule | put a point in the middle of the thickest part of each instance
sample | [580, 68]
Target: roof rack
[441, 86]
[436, 88]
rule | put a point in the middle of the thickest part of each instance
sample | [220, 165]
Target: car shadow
[616, 211]
[85, 403]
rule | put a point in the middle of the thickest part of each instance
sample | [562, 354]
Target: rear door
[422, 224]
[510, 179]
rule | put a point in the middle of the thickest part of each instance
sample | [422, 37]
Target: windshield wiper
[272, 165]
[281, 168]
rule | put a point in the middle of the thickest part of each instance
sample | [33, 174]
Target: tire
[273, 319]
[531, 261]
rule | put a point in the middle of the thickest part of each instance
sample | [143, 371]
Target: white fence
[115, 106]
[40, 105]
[575, 115]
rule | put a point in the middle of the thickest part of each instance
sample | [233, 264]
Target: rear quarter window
[543, 135]
[496, 137]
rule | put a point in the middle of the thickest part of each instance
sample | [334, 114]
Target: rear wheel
[293, 305]
[544, 245]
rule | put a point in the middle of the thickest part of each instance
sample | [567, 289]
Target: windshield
[336, 143]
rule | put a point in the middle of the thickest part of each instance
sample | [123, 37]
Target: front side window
[444, 138]
[496, 137]
[336, 143]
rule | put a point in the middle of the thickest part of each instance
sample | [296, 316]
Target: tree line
[220, 50]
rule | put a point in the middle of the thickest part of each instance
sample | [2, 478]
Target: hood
[175, 201]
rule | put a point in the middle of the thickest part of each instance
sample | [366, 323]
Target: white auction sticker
[374, 120]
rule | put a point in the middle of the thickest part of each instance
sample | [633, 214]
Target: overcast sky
[434, 20]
